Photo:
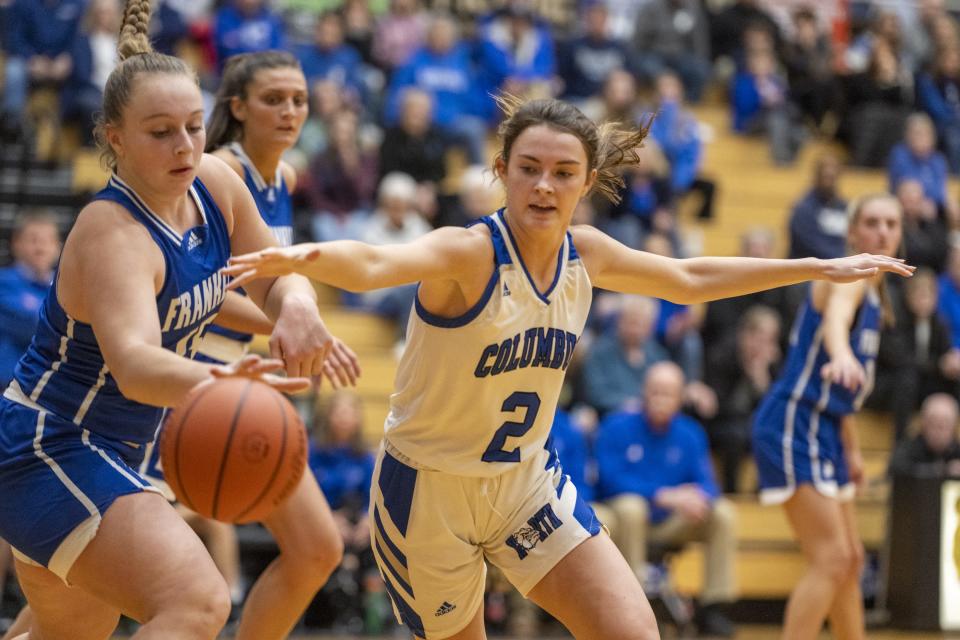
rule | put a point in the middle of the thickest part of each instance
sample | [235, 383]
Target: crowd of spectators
[398, 142]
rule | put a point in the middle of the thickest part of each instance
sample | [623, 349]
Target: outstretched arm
[616, 267]
[443, 254]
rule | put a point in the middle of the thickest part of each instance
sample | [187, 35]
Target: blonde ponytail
[136, 57]
[133, 34]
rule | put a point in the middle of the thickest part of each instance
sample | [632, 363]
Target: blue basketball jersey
[275, 207]
[801, 380]
[63, 370]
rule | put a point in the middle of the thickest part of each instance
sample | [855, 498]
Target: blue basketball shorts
[431, 532]
[56, 481]
[795, 444]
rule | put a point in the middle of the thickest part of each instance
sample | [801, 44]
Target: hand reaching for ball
[257, 368]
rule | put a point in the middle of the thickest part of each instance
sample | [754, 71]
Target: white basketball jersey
[477, 394]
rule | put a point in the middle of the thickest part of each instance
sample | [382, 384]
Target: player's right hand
[268, 263]
[844, 370]
[257, 368]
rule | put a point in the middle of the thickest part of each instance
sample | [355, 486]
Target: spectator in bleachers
[935, 450]
[94, 56]
[761, 105]
[656, 477]
[516, 52]
[722, 317]
[646, 201]
[400, 32]
[948, 302]
[340, 184]
[343, 468]
[615, 367]
[330, 58]
[443, 69]
[569, 438]
[916, 357]
[677, 324]
[38, 40]
[938, 94]
[23, 286]
[674, 34]
[876, 103]
[394, 221]
[585, 61]
[885, 29]
[478, 195]
[415, 147]
[808, 58]
[168, 28]
[676, 130]
[246, 26]
[740, 372]
[818, 222]
[727, 28]
[925, 235]
[358, 27]
[617, 101]
[917, 158]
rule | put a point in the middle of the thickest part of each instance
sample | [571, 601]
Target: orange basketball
[233, 450]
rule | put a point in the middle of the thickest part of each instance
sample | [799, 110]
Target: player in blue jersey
[260, 108]
[465, 473]
[804, 437]
[138, 281]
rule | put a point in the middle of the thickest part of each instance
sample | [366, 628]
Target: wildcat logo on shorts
[539, 527]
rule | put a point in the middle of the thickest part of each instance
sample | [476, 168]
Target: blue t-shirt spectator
[235, 32]
[677, 133]
[342, 65]
[818, 226]
[42, 27]
[930, 171]
[343, 473]
[948, 306]
[451, 81]
[504, 55]
[21, 295]
[573, 449]
[584, 64]
[634, 458]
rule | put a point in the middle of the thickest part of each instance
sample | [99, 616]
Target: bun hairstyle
[609, 146]
[136, 57]
[239, 72]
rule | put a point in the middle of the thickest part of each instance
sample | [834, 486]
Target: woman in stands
[139, 280]
[805, 439]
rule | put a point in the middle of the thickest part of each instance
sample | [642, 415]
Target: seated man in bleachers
[935, 450]
[38, 38]
[656, 478]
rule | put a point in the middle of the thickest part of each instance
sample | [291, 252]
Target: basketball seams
[279, 464]
[226, 448]
[183, 495]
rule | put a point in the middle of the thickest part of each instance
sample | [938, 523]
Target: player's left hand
[341, 368]
[864, 265]
[300, 338]
[844, 370]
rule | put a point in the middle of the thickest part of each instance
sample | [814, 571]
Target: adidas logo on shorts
[445, 608]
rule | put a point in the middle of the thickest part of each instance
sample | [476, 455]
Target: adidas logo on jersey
[193, 241]
[445, 608]
[506, 289]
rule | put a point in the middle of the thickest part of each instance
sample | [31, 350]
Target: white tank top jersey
[477, 394]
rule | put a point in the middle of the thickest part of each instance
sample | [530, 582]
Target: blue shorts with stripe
[431, 532]
[795, 444]
[56, 482]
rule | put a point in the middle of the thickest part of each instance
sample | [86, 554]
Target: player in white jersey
[465, 473]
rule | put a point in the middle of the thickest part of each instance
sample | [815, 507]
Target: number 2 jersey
[63, 370]
[477, 394]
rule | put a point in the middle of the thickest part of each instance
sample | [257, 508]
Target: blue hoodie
[343, 474]
[21, 296]
[236, 33]
[42, 27]
[449, 77]
[634, 458]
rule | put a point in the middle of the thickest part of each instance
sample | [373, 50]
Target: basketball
[233, 450]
